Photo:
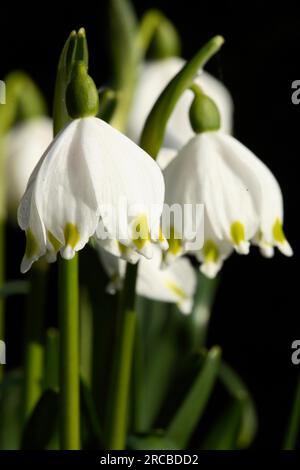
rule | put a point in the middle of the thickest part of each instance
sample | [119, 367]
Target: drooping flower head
[242, 199]
[88, 170]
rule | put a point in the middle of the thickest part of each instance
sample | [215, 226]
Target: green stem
[2, 278]
[294, 424]
[69, 354]
[123, 362]
[34, 340]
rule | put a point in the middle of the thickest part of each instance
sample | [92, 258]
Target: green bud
[165, 41]
[204, 113]
[82, 98]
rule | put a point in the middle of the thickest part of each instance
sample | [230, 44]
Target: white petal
[154, 76]
[165, 156]
[266, 195]
[206, 172]
[126, 178]
[176, 283]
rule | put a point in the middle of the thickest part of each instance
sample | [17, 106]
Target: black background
[256, 316]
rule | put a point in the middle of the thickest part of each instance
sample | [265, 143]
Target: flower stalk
[69, 353]
[126, 326]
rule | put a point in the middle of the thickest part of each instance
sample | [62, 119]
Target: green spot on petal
[123, 248]
[140, 231]
[31, 245]
[237, 232]
[71, 234]
[175, 245]
[53, 240]
[211, 252]
[278, 233]
[175, 289]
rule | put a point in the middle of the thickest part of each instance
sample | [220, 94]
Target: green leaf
[14, 287]
[160, 349]
[10, 410]
[292, 433]
[42, 423]
[90, 414]
[157, 36]
[225, 431]
[238, 390]
[192, 408]
[154, 130]
[125, 57]
[200, 316]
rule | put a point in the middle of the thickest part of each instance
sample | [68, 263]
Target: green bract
[204, 113]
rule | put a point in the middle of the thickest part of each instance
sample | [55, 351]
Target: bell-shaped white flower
[241, 197]
[175, 284]
[154, 76]
[87, 172]
[24, 145]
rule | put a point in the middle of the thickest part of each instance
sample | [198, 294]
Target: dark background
[256, 316]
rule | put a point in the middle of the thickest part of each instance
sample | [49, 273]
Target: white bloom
[88, 170]
[242, 199]
[24, 145]
[154, 77]
[175, 284]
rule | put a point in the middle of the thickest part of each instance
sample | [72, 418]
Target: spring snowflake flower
[79, 182]
[241, 197]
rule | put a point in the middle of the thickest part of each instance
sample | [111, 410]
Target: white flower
[88, 170]
[175, 284]
[24, 145]
[154, 77]
[242, 199]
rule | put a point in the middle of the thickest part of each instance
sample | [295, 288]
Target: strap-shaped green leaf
[154, 129]
[95, 435]
[200, 316]
[225, 431]
[238, 390]
[10, 410]
[42, 423]
[191, 410]
[125, 57]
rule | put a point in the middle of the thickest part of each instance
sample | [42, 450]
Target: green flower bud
[82, 98]
[204, 113]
